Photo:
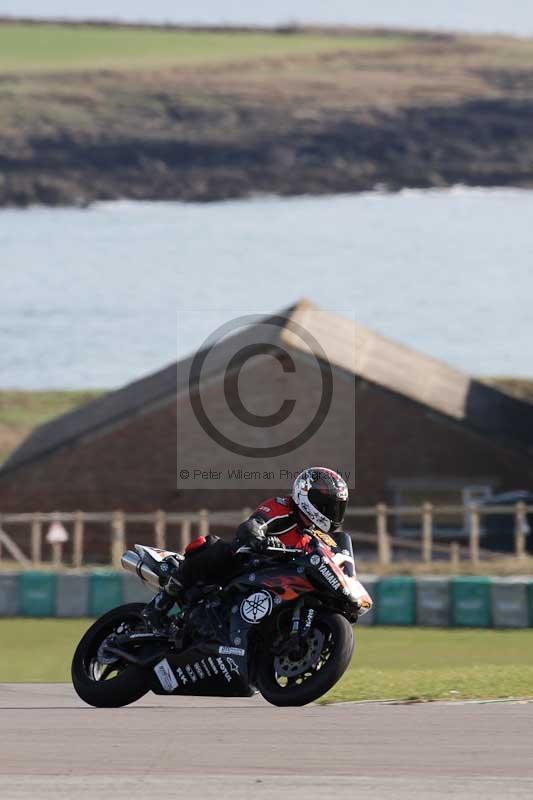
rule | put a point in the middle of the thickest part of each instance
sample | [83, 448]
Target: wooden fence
[186, 525]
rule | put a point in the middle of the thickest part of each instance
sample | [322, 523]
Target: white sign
[56, 534]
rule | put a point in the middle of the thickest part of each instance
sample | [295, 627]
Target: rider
[318, 502]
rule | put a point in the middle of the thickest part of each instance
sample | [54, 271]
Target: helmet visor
[331, 507]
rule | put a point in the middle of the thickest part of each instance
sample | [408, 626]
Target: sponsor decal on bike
[329, 576]
[205, 667]
[212, 665]
[181, 675]
[232, 664]
[199, 671]
[326, 538]
[256, 607]
[308, 621]
[315, 560]
[231, 651]
[167, 679]
[190, 672]
[224, 669]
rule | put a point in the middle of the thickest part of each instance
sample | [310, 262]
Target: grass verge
[396, 663]
[60, 48]
[431, 664]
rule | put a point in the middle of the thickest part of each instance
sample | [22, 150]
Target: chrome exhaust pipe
[132, 562]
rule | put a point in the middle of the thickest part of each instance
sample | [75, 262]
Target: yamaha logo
[255, 607]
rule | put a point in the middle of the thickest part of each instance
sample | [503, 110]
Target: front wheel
[295, 682]
[100, 679]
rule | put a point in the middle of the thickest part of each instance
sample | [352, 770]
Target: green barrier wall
[8, 594]
[509, 602]
[530, 602]
[395, 601]
[477, 602]
[471, 602]
[105, 592]
[36, 592]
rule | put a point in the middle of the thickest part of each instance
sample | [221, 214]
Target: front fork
[301, 625]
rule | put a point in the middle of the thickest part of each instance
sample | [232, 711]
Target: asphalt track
[52, 746]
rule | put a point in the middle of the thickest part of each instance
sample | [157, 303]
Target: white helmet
[321, 494]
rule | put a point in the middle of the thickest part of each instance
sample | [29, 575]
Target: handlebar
[274, 550]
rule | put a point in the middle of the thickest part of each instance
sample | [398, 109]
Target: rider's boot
[155, 613]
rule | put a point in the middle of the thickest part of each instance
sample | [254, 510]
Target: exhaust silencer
[132, 562]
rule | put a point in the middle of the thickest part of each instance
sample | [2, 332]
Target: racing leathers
[210, 560]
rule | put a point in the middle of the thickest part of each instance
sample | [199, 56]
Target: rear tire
[130, 683]
[340, 641]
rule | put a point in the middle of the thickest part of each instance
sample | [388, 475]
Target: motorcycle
[282, 626]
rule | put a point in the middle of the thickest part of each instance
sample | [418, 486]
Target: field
[20, 412]
[399, 663]
[60, 48]
[101, 112]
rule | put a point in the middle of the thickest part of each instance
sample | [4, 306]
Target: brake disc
[287, 668]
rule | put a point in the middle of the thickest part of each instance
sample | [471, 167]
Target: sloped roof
[412, 374]
[348, 345]
[132, 399]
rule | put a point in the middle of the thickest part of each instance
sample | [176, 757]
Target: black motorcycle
[283, 626]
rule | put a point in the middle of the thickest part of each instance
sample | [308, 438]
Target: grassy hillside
[63, 48]
[20, 412]
[98, 113]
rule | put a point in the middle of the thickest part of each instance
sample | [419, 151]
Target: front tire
[108, 685]
[286, 683]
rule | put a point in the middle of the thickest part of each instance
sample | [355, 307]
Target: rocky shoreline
[435, 113]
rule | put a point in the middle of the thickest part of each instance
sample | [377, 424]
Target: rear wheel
[296, 681]
[101, 679]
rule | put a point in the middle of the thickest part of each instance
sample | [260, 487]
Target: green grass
[429, 664]
[20, 412]
[399, 663]
[53, 48]
[38, 650]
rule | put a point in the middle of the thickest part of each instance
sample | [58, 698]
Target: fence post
[520, 530]
[36, 538]
[474, 533]
[455, 555]
[160, 528]
[184, 535]
[57, 554]
[384, 551]
[118, 538]
[427, 533]
[77, 540]
[203, 522]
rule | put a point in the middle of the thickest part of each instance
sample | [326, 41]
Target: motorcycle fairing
[203, 671]
[207, 669]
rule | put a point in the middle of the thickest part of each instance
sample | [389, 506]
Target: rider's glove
[251, 534]
[273, 542]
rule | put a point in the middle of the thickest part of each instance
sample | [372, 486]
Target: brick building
[422, 430]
